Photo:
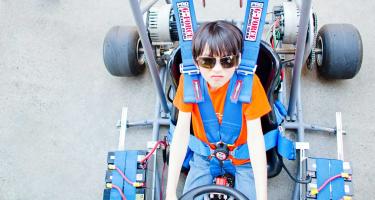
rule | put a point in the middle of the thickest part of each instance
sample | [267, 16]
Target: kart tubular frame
[158, 75]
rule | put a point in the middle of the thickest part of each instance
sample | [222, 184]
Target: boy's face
[216, 76]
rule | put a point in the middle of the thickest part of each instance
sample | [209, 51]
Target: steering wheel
[213, 188]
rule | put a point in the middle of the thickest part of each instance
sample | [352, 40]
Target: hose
[306, 181]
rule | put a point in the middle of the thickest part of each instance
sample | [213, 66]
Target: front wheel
[341, 51]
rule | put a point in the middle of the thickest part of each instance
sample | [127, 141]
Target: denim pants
[200, 174]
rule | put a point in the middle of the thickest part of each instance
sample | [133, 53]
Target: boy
[217, 48]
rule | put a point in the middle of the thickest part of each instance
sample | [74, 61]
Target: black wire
[168, 92]
[286, 61]
[306, 181]
[165, 157]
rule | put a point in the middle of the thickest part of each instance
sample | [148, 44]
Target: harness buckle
[245, 71]
[221, 152]
[191, 71]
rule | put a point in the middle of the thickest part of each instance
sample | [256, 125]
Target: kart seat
[268, 71]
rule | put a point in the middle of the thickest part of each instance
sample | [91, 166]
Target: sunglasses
[209, 62]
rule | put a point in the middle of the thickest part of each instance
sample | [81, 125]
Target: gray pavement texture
[59, 106]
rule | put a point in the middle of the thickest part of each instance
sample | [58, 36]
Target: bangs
[218, 46]
[217, 39]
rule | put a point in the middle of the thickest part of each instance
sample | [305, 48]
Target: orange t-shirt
[257, 107]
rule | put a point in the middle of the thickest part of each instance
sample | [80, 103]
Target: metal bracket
[124, 117]
[339, 135]
[302, 146]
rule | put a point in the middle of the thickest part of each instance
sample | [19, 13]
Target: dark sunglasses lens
[208, 63]
[228, 61]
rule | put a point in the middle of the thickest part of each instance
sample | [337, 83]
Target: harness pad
[254, 21]
[186, 25]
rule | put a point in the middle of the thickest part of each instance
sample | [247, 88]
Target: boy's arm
[255, 141]
[177, 154]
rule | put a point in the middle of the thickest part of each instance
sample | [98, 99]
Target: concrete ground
[59, 105]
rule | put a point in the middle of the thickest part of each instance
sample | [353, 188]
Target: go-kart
[292, 40]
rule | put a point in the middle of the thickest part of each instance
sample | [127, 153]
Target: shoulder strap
[231, 124]
[254, 21]
[186, 25]
[230, 127]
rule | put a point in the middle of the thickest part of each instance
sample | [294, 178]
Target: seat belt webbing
[256, 11]
[186, 25]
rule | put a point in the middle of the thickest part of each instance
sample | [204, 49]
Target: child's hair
[221, 37]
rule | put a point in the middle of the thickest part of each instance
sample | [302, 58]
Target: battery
[311, 186]
[347, 169]
[348, 188]
[140, 194]
[111, 158]
[321, 170]
[129, 162]
[311, 167]
[107, 194]
[140, 156]
[140, 176]
[108, 176]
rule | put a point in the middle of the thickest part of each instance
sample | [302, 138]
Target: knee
[244, 182]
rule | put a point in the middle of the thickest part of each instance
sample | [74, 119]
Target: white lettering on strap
[197, 90]
[237, 90]
[185, 20]
[254, 21]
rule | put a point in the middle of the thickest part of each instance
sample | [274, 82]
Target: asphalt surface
[59, 105]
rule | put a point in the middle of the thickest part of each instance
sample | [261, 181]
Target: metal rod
[295, 95]
[300, 137]
[155, 137]
[151, 62]
[340, 142]
[285, 50]
[121, 140]
[157, 179]
[292, 51]
[148, 122]
[296, 192]
[148, 6]
[310, 38]
[156, 125]
[310, 127]
[301, 40]
[282, 91]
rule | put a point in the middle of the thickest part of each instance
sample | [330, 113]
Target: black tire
[274, 163]
[122, 51]
[342, 51]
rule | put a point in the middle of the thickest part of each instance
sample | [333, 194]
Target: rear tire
[123, 51]
[342, 51]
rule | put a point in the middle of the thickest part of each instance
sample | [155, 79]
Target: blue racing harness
[222, 137]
